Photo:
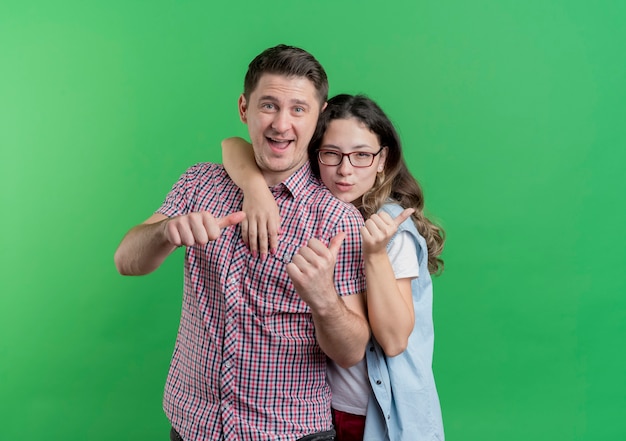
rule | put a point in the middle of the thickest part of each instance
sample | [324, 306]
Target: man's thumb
[335, 243]
[231, 219]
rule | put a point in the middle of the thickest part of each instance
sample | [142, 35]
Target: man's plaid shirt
[246, 365]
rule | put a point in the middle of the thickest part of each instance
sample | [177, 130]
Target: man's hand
[198, 228]
[312, 271]
[341, 327]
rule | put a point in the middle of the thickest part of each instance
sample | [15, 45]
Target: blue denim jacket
[405, 405]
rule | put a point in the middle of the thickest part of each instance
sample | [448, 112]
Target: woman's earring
[380, 176]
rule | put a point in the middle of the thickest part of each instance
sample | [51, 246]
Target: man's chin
[282, 165]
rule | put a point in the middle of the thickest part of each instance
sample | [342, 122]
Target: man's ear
[243, 107]
[324, 106]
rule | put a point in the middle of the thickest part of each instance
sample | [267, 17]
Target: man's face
[281, 115]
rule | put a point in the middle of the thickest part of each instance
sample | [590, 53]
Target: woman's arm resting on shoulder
[262, 225]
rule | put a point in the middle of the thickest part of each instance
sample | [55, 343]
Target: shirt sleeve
[176, 200]
[349, 271]
[179, 200]
[402, 254]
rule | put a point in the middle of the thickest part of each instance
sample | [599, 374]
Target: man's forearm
[143, 249]
[342, 333]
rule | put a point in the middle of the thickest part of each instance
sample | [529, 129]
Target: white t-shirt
[350, 387]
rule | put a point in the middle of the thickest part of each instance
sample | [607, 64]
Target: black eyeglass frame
[343, 155]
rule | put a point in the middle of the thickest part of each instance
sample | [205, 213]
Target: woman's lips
[344, 186]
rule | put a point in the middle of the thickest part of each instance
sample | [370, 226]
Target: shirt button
[227, 364]
[379, 382]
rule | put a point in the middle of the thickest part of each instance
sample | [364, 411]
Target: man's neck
[273, 178]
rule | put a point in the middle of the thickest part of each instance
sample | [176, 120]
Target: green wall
[513, 119]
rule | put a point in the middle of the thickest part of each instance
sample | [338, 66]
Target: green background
[513, 118]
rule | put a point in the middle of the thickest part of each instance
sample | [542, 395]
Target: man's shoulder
[204, 168]
[323, 198]
[204, 172]
[329, 210]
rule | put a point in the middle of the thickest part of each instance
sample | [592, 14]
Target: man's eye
[299, 109]
[268, 106]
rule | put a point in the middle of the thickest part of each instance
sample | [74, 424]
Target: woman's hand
[261, 227]
[379, 229]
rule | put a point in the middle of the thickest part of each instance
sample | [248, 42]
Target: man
[250, 356]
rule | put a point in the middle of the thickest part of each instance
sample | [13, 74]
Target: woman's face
[345, 181]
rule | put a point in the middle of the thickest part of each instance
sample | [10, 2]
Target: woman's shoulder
[392, 208]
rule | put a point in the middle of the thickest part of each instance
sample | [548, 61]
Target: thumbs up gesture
[312, 270]
[198, 228]
[379, 229]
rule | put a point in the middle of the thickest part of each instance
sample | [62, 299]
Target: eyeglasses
[357, 159]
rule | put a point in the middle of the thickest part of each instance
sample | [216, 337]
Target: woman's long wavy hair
[395, 181]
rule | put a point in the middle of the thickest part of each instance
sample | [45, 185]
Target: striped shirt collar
[295, 184]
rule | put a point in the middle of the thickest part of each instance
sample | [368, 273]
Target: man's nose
[281, 122]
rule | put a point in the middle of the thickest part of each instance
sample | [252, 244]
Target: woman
[356, 151]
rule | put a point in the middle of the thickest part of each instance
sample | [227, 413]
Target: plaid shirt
[246, 365]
